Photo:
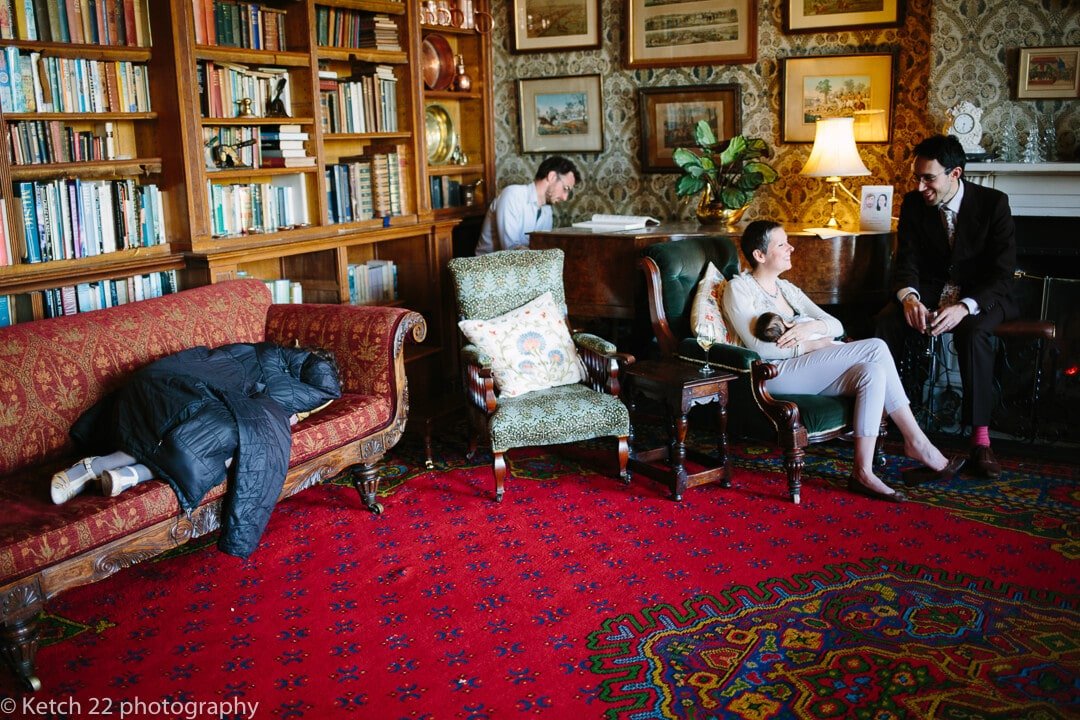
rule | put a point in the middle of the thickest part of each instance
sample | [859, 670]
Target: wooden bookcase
[187, 144]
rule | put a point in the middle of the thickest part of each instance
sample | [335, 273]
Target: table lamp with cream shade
[834, 156]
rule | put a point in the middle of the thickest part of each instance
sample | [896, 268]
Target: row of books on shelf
[239, 24]
[89, 296]
[252, 208]
[341, 27]
[34, 142]
[365, 102]
[366, 187]
[445, 192]
[71, 218]
[285, 292]
[7, 253]
[228, 90]
[255, 147]
[373, 282]
[32, 82]
[90, 22]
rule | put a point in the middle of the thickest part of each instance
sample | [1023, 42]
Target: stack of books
[283, 146]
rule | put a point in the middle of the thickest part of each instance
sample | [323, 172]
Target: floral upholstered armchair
[672, 273]
[529, 381]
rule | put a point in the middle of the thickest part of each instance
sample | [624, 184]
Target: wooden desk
[602, 279]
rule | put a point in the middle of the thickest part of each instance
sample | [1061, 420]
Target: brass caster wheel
[33, 682]
[429, 465]
[796, 498]
[498, 497]
[376, 508]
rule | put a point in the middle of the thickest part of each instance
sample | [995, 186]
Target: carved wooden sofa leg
[18, 645]
[366, 482]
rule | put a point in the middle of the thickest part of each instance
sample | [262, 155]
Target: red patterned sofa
[52, 370]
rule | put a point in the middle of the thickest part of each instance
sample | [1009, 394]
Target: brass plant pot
[710, 212]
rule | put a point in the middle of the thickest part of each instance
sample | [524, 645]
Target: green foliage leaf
[733, 198]
[689, 185]
[684, 157]
[703, 134]
[765, 171]
[734, 151]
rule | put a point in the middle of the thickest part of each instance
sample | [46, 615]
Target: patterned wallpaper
[946, 52]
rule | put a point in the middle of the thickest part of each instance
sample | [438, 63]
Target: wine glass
[706, 338]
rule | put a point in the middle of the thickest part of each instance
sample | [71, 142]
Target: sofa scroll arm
[783, 414]
[603, 363]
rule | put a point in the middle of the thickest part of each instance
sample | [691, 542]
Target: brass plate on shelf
[438, 58]
[440, 134]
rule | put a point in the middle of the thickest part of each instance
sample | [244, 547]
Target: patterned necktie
[950, 293]
[949, 216]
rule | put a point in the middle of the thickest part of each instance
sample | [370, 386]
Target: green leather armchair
[672, 272]
[491, 285]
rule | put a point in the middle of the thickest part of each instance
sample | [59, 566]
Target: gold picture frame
[669, 33]
[561, 114]
[1048, 73]
[547, 25]
[801, 16]
[808, 85]
[670, 114]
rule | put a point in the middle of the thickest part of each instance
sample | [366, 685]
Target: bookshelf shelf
[255, 121]
[88, 52]
[366, 137]
[92, 169]
[16, 279]
[373, 6]
[440, 170]
[87, 116]
[387, 57]
[452, 95]
[246, 56]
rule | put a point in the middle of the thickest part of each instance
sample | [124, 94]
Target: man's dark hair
[946, 149]
[560, 165]
[756, 237]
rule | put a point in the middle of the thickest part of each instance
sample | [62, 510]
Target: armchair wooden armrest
[603, 363]
[665, 338]
[781, 413]
[479, 379]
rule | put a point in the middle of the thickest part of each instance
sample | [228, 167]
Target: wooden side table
[680, 386]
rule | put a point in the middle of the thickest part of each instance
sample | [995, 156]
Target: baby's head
[769, 327]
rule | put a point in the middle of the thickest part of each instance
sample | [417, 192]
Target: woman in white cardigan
[811, 364]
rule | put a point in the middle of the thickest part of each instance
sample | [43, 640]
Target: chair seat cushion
[563, 414]
[821, 413]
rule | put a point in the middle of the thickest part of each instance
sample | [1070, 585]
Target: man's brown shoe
[981, 463]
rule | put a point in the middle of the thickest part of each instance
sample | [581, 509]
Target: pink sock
[980, 436]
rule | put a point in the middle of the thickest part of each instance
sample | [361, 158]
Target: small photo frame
[837, 86]
[561, 114]
[547, 25]
[670, 114]
[801, 16]
[875, 208]
[1048, 73]
[669, 33]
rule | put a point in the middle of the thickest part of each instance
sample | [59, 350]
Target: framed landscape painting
[561, 114]
[821, 15]
[836, 86]
[664, 33]
[670, 114]
[1048, 72]
[546, 25]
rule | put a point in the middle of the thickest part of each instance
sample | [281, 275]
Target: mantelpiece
[1049, 189]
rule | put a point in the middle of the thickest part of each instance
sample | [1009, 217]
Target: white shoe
[69, 483]
[114, 482]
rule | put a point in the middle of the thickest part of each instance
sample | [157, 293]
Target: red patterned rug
[580, 598]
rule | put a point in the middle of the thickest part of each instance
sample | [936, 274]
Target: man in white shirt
[521, 209]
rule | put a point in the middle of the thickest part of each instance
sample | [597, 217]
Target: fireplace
[1045, 201]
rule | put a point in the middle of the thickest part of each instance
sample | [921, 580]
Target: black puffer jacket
[184, 415]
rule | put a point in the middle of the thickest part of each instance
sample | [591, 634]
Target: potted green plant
[728, 172]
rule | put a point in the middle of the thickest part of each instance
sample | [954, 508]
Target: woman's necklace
[775, 294]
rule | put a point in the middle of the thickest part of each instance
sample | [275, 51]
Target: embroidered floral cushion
[705, 310]
[530, 347]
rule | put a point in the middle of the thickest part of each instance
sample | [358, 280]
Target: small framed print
[875, 209]
[1048, 72]
[801, 16]
[668, 33]
[548, 25]
[670, 114]
[561, 114]
[837, 86]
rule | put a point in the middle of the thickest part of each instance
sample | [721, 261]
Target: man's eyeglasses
[927, 179]
[567, 188]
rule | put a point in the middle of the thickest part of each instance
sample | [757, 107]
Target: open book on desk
[607, 223]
